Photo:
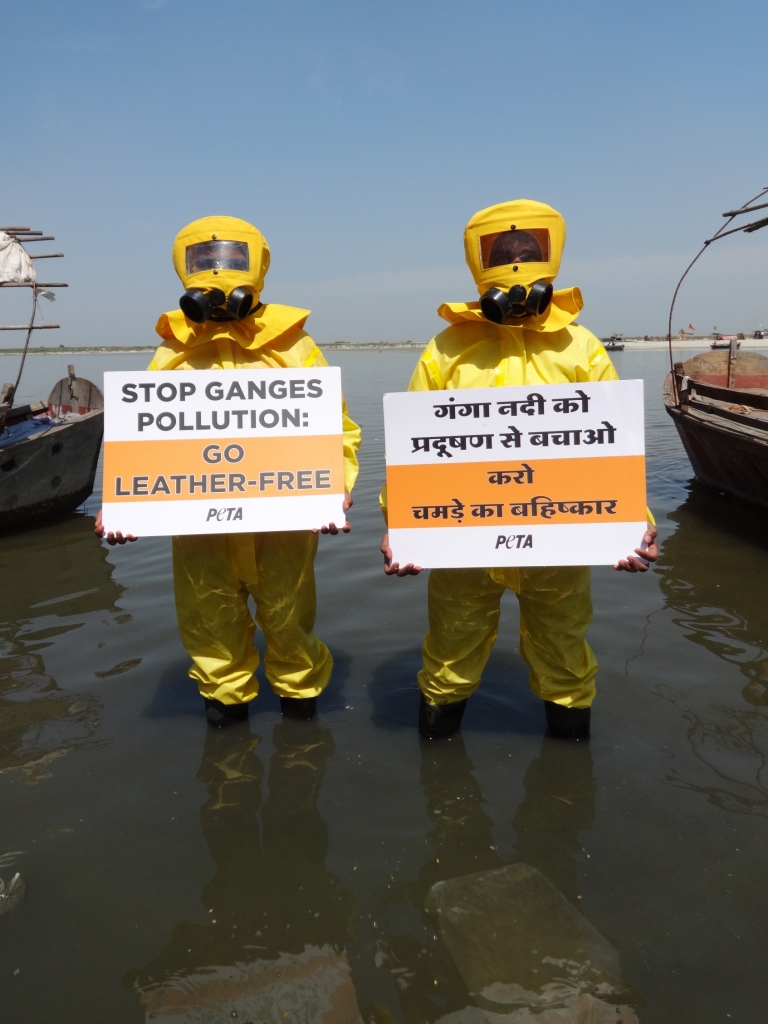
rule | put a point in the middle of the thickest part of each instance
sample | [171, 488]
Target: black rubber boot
[567, 723]
[221, 715]
[299, 707]
[438, 720]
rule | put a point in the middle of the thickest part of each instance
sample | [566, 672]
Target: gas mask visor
[216, 255]
[504, 248]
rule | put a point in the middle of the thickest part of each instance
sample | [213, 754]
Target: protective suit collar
[565, 306]
[264, 327]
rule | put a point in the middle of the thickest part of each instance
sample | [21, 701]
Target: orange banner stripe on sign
[254, 467]
[617, 479]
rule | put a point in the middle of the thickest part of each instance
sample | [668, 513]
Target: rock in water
[11, 895]
[520, 946]
[583, 1009]
[314, 987]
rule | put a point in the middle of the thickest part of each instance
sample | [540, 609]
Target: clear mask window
[217, 255]
[515, 246]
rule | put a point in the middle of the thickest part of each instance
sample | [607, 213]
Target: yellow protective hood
[520, 215]
[230, 229]
[264, 327]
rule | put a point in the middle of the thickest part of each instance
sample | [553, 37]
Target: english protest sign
[222, 451]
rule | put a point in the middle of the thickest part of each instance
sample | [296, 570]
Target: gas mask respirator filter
[501, 307]
[198, 306]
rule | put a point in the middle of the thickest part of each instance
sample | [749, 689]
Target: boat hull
[723, 458]
[49, 474]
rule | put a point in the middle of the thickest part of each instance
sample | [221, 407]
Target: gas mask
[221, 262]
[513, 251]
[214, 304]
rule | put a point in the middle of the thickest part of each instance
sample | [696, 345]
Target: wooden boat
[49, 450]
[719, 403]
[719, 400]
[723, 341]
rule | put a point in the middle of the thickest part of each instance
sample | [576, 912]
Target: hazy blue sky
[360, 137]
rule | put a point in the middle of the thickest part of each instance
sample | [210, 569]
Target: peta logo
[224, 515]
[514, 540]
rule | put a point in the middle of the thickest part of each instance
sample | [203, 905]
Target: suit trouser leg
[555, 614]
[213, 576]
[215, 624]
[463, 623]
[296, 662]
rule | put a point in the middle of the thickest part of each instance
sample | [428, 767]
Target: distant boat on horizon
[615, 343]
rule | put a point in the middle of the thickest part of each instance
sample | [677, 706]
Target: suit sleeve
[601, 368]
[600, 365]
[352, 432]
[426, 377]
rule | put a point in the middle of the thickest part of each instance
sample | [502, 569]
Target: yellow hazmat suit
[555, 603]
[215, 574]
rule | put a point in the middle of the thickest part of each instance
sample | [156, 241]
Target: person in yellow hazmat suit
[520, 332]
[223, 325]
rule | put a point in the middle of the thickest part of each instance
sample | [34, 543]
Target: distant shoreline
[101, 350]
[636, 344]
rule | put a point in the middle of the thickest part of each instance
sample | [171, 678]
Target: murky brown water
[282, 874]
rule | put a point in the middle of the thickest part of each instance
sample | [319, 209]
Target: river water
[282, 873]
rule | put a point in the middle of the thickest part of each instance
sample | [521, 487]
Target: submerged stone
[520, 945]
[583, 1009]
[313, 987]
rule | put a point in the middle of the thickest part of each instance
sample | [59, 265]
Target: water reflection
[273, 947]
[56, 580]
[424, 981]
[558, 808]
[716, 591]
[433, 970]
[522, 949]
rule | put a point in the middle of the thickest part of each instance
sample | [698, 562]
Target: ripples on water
[284, 873]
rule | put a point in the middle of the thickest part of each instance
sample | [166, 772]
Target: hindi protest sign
[222, 451]
[525, 475]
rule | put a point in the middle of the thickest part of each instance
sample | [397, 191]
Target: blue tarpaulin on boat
[25, 429]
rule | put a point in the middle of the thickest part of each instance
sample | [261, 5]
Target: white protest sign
[222, 451]
[533, 475]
